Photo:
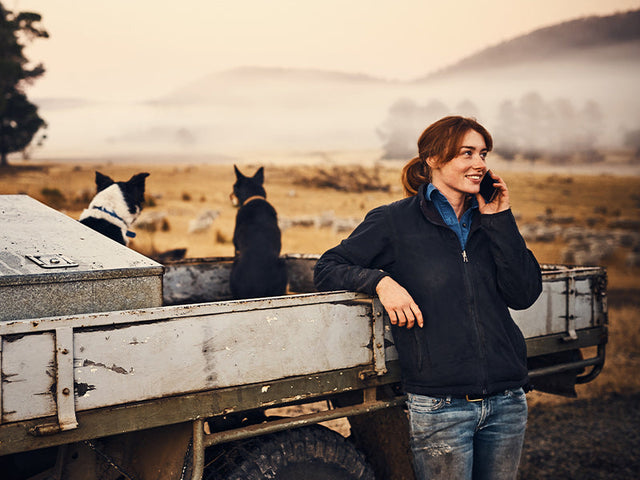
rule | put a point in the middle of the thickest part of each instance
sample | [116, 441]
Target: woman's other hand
[400, 306]
[500, 201]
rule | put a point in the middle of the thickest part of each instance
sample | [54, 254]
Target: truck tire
[310, 453]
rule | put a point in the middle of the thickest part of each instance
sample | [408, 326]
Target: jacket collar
[431, 213]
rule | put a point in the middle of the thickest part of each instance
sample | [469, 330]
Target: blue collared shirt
[462, 227]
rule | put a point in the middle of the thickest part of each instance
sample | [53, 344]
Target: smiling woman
[447, 267]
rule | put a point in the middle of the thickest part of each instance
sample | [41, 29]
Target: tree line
[19, 119]
[530, 127]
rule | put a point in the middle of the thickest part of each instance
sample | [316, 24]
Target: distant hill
[302, 74]
[590, 40]
[582, 69]
[595, 35]
[283, 84]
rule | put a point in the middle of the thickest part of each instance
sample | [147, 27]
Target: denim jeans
[454, 439]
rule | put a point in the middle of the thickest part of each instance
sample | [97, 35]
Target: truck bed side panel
[135, 362]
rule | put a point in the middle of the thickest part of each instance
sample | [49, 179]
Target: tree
[467, 108]
[632, 140]
[399, 130]
[19, 119]
[508, 131]
[405, 122]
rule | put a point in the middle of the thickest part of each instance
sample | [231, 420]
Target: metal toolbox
[52, 265]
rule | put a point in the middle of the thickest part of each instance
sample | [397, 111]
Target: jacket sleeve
[518, 273]
[357, 262]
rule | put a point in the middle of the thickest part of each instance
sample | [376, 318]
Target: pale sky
[140, 49]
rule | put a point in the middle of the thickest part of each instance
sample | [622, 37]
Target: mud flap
[561, 383]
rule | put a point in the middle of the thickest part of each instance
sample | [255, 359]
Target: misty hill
[541, 82]
[272, 84]
[593, 38]
[588, 51]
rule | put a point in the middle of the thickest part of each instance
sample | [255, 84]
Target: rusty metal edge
[16, 437]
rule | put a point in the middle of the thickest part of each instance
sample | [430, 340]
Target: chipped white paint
[548, 313]
[196, 352]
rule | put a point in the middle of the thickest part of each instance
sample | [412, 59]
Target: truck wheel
[312, 453]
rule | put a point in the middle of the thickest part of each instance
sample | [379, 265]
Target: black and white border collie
[115, 206]
[258, 270]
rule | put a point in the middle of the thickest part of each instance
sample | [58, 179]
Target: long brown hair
[441, 141]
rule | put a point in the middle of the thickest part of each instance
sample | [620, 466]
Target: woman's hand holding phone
[494, 194]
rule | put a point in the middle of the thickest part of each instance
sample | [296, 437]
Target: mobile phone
[487, 190]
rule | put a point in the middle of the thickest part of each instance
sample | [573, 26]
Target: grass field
[177, 194]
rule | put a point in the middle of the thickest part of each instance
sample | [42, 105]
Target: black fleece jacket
[469, 343]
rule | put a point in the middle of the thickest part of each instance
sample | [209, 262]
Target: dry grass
[182, 192]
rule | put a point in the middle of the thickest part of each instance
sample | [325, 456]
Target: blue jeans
[454, 439]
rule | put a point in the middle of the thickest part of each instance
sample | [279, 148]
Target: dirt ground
[594, 438]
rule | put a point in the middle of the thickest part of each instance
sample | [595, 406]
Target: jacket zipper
[474, 315]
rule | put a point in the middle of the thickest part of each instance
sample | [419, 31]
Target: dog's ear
[259, 176]
[239, 174]
[103, 181]
[138, 180]
[136, 186]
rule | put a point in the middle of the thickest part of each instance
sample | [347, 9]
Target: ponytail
[414, 174]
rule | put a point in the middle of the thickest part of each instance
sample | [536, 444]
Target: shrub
[53, 197]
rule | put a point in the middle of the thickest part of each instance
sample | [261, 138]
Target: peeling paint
[266, 388]
[82, 388]
[6, 378]
[113, 368]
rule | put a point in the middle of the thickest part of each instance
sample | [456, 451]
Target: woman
[447, 266]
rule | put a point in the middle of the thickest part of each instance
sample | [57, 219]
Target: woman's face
[462, 174]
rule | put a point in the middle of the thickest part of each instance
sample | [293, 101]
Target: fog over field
[582, 97]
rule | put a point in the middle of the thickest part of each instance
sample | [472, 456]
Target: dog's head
[132, 190]
[247, 187]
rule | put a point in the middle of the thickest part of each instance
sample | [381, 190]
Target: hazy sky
[139, 49]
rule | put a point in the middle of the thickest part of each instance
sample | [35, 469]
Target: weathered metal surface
[91, 272]
[19, 355]
[569, 301]
[198, 280]
[122, 357]
[16, 436]
[300, 421]
[553, 343]
[379, 340]
[64, 379]
[300, 272]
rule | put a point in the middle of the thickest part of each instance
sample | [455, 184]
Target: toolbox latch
[52, 261]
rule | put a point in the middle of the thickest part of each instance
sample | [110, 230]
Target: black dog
[258, 270]
[115, 206]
